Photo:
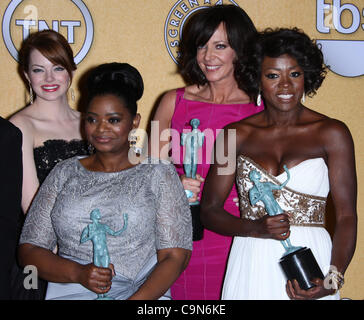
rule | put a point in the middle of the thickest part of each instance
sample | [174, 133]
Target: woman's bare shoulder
[24, 120]
[166, 106]
[324, 123]
[334, 131]
[248, 123]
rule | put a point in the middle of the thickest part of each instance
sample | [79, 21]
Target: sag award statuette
[96, 232]
[193, 141]
[297, 262]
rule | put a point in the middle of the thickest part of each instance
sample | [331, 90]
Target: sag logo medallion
[176, 18]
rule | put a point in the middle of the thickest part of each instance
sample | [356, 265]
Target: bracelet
[334, 280]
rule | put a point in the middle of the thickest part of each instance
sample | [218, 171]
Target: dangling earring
[303, 99]
[259, 100]
[30, 94]
[90, 148]
[72, 94]
[132, 141]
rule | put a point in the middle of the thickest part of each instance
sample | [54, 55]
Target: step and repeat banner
[146, 33]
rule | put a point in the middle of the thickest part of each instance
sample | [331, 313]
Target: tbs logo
[345, 57]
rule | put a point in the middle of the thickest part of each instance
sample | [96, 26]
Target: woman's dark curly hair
[199, 29]
[274, 43]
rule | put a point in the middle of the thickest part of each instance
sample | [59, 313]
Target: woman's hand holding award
[297, 262]
[96, 232]
[193, 141]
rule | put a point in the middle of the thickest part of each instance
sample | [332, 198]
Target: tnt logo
[69, 17]
[345, 57]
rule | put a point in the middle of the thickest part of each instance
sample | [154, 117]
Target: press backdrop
[145, 33]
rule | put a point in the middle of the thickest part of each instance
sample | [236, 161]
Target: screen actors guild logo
[176, 18]
[21, 17]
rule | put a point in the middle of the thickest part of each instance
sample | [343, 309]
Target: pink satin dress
[203, 278]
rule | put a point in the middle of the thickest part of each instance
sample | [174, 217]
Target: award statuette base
[302, 266]
[103, 297]
[197, 227]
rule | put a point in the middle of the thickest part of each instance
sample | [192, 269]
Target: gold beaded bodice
[304, 209]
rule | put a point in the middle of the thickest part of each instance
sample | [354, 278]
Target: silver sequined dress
[158, 217]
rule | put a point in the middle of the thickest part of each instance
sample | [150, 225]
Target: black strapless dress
[45, 158]
[54, 151]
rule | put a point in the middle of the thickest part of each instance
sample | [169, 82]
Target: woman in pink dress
[211, 48]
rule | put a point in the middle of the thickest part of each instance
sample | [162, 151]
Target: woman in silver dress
[155, 246]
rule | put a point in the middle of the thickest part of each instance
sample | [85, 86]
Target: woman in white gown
[283, 67]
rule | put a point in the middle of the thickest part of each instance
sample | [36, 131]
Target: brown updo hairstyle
[52, 45]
